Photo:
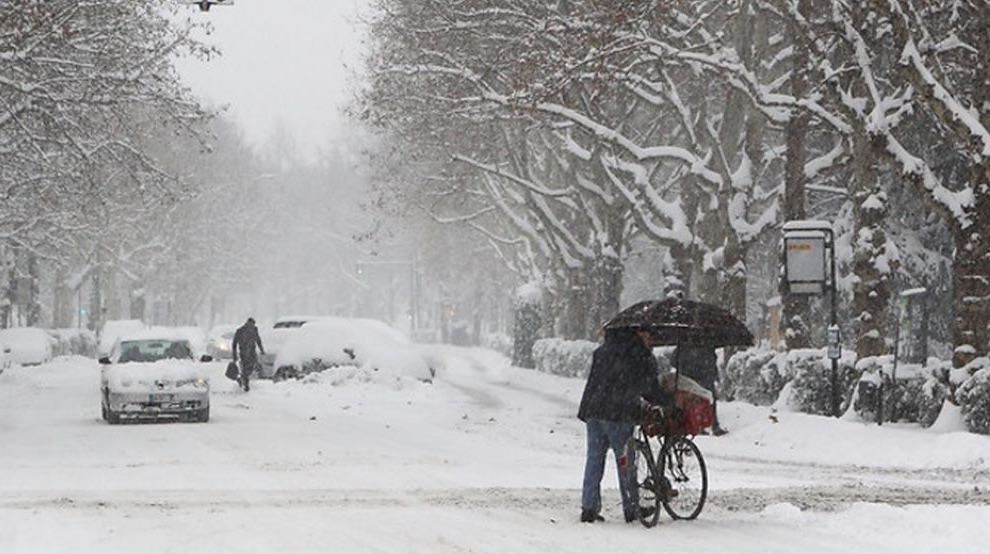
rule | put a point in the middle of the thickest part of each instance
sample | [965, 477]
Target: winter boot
[587, 516]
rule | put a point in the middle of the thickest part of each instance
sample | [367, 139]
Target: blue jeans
[603, 435]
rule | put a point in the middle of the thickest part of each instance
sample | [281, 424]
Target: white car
[367, 344]
[28, 345]
[154, 374]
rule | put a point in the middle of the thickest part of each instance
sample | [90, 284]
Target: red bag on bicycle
[695, 413]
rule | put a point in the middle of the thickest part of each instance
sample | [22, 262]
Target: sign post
[809, 268]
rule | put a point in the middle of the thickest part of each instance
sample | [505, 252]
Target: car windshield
[288, 324]
[153, 350]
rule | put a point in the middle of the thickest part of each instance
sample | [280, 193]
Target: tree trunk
[7, 288]
[575, 310]
[33, 307]
[872, 267]
[607, 290]
[796, 307]
[677, 272]
[63, 306]
[971, 278]
[96, 300]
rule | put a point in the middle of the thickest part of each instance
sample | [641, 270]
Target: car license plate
[160, 397]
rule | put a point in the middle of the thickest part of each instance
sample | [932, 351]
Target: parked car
[220, 341]
[153, 374]
[28, 345]
[364, 343]
[113, 329]
[282, 329]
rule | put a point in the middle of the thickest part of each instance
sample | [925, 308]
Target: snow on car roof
[364, 326]
[286, 318]
[156, 333]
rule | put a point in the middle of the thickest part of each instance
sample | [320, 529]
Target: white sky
[283, 62]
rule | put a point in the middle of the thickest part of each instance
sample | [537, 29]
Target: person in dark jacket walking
[700, 364]
[623, 379]
[245, 339]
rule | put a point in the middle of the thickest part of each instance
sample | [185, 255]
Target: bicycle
[677, 477]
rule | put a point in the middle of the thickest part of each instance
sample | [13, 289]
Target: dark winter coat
[623, 371]
[698, 363]
[245, 339]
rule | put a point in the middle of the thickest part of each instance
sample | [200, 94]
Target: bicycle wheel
[684, 478]
[648, 503]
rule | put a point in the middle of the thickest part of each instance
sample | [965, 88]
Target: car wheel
[203, 415]
[103, 411]
[113, 418]
[284, 373]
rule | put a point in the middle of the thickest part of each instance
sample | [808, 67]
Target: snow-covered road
[487, 459]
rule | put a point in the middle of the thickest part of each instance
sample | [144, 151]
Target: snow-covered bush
[569, 358]
[74, 342]
[940, 384]
[755, 375]
[973, 397]
[572, 358]
[811, 387]
[904, 399]
[933, 394]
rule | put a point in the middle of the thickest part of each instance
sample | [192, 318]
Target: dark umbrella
[676, 321]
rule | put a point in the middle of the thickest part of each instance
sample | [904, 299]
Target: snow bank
[764, 433]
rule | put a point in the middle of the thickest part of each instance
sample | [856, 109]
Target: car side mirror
[206, 358]
[105, 360]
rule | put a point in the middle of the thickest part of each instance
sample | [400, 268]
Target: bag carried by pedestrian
[232, 371]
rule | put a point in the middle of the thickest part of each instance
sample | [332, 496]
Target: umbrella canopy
[676, 321]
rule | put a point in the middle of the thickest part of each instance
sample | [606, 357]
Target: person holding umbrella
[622, 381]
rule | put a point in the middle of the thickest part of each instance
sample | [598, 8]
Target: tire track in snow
[826, 498]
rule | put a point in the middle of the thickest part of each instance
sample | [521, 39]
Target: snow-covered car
[154, 374]
[28, 345]
[367, 344]
[274, 338]
[113, 329]
[220, 342]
